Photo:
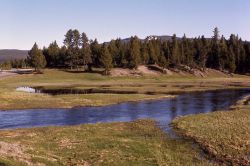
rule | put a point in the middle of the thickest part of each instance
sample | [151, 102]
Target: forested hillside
[11, 54]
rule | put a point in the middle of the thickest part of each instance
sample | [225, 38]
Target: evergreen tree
[119, 52]
[36, 58]
[175, 54]
[231, 61]
[214, 56]
[62, 59]
[68, 41]
[96, 53]
[203, 53]
[52, 54]
[166, 51]
[162, 61]
[217, 53]
[247, 49]
[72, 42]
[153, 58]
[86, 51]
[223, 53]
[106, 59]
[114, 51]
[242, 57]
[124, 53]
[144, 53]
[134, 53]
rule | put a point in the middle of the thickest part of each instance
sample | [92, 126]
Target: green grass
[224, 135]
[10, 99]
[132, 143]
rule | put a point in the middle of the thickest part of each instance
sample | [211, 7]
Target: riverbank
[134, 143]
[224, 135]
[143, 87]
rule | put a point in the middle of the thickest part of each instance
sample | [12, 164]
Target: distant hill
[10, 54]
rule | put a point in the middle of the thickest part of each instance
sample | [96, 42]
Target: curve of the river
[163, 111]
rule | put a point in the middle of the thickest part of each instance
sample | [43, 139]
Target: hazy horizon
[26, 22]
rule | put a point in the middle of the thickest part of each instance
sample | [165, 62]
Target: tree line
[231, 55]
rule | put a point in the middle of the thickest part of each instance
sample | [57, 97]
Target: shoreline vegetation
[223, 137]
[148, 87]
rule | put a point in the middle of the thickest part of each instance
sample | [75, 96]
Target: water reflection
[161, 110]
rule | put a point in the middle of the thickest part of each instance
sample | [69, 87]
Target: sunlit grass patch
[133, 143]
[224, 135]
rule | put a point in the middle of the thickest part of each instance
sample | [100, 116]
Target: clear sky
[24, 22]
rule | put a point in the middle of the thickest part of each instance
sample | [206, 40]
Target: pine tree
[134, 53]
[86, 51]
[119, 52]
[36, 58]
[217, 53]
[203, 53]
[96, 53]
[68, 38]
[106, 59]
[166, 51]
[175, 54]
[162, 61]
[52, 54]
[72, 42]
[242, 57]
[247, 49]
[62, 59]
[113, 51]
[223, 53]
[231, 61]
[144, 53]
[214, 56]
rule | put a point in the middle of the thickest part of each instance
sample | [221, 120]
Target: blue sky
[24, 22]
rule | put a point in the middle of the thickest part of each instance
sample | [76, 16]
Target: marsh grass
[132, 143]
[224, 135]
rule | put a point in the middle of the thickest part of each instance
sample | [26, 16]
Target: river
[163, 111]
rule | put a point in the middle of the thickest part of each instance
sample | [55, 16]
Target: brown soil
[155, 70]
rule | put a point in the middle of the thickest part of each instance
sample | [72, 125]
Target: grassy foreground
[224, 135]
[133, 143]
[160, 86]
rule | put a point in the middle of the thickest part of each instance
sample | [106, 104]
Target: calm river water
[163, 110]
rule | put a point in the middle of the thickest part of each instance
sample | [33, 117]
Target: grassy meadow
[133, 143]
